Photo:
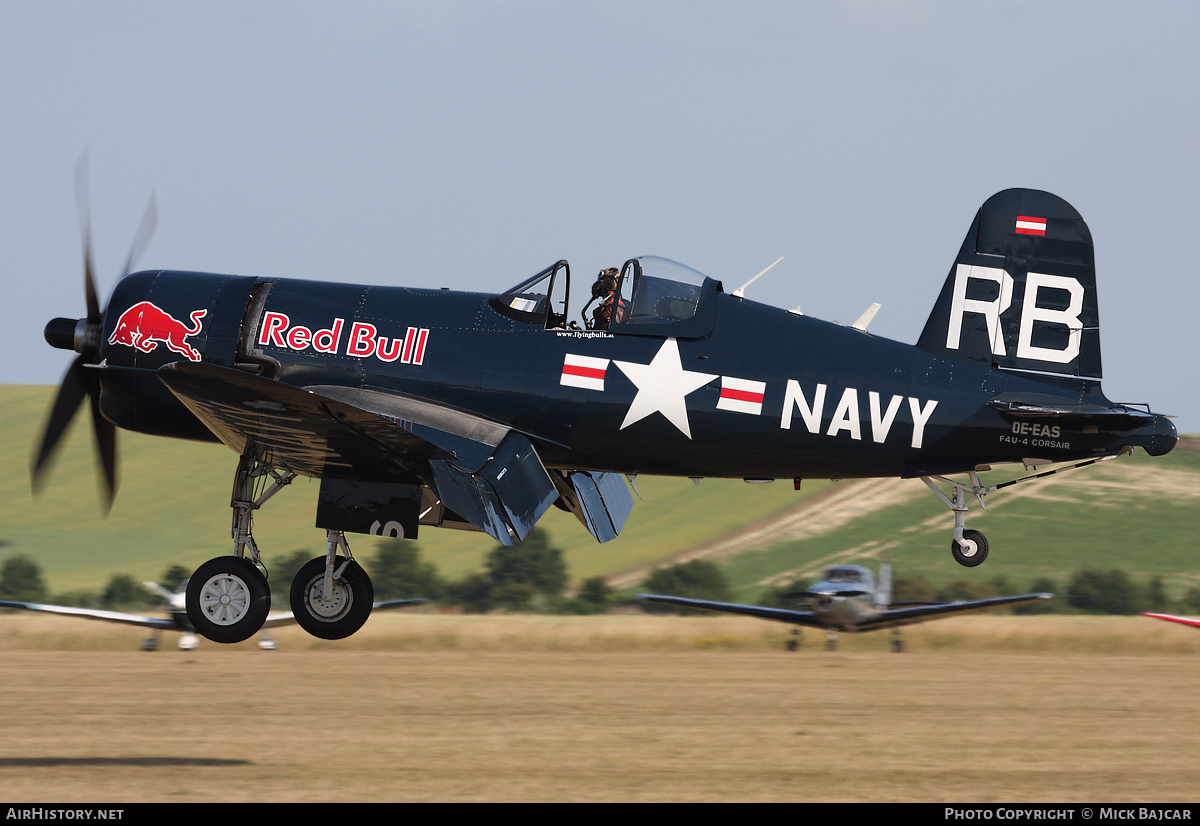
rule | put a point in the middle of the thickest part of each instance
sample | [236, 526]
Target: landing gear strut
[332, 595]
[969, 548]
[228, 597]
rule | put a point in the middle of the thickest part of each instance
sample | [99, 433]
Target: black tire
[975, 552]
[345, 613]
[228, 599]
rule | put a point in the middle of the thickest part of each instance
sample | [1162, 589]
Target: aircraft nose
[60, 333]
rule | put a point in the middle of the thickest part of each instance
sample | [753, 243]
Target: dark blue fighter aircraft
[424, 407]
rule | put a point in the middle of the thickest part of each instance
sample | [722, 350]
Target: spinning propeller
[83, 335]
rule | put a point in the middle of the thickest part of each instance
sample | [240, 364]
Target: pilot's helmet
[606, 282]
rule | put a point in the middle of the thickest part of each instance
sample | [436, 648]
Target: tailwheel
[228, 599]
[971, 551]
[337, 612]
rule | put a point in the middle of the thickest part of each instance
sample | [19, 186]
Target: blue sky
[469, 144]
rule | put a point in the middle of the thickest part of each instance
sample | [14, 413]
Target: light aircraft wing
[163, 624]
[1192, 621]
[288, 618]
[90, 613]
[907, 616]
[485, 472]
[780, 614]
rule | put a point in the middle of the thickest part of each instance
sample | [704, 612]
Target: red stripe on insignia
[585, 372]
[741, 395]
[1029, 225]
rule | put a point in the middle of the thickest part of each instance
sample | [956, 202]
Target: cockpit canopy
[655, 296]
[850, 575]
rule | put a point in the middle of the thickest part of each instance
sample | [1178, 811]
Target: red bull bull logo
[145, 326]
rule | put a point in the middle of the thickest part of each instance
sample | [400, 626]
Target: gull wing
[781, 614]
[487, 473]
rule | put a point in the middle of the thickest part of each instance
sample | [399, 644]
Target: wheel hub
[340, 599]
[225, 598]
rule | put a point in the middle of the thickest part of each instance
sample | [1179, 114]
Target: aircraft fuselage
[762, 393]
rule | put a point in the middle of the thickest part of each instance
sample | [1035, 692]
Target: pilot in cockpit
[611, 307]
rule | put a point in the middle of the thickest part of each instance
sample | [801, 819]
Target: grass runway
[432, 708]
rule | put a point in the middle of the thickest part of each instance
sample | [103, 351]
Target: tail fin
[883, 594]
[1022, 292]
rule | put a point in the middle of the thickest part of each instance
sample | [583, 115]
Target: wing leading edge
[876, 620]
[1192, 621]
[907, 616]
[163, 624]
[95, 614]
[779, 614]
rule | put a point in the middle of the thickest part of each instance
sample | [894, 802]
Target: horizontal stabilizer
[1034, 404]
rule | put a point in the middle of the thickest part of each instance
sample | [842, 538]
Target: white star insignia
[662, 386]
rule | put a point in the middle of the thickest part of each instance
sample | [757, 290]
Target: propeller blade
[71, 394]
[85, 228]
[106, 440]
[144, 234]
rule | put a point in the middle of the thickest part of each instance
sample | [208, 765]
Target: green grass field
[1138, 513]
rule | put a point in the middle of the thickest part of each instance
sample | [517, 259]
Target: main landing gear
[332, 595]
[228, 598]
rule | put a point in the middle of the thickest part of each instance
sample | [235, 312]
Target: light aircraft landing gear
[332, 595]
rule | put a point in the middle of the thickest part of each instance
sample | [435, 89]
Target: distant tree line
[532, 576]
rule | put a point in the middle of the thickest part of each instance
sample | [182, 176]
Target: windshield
[537, 300]
[660, 291]
[843, 575]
